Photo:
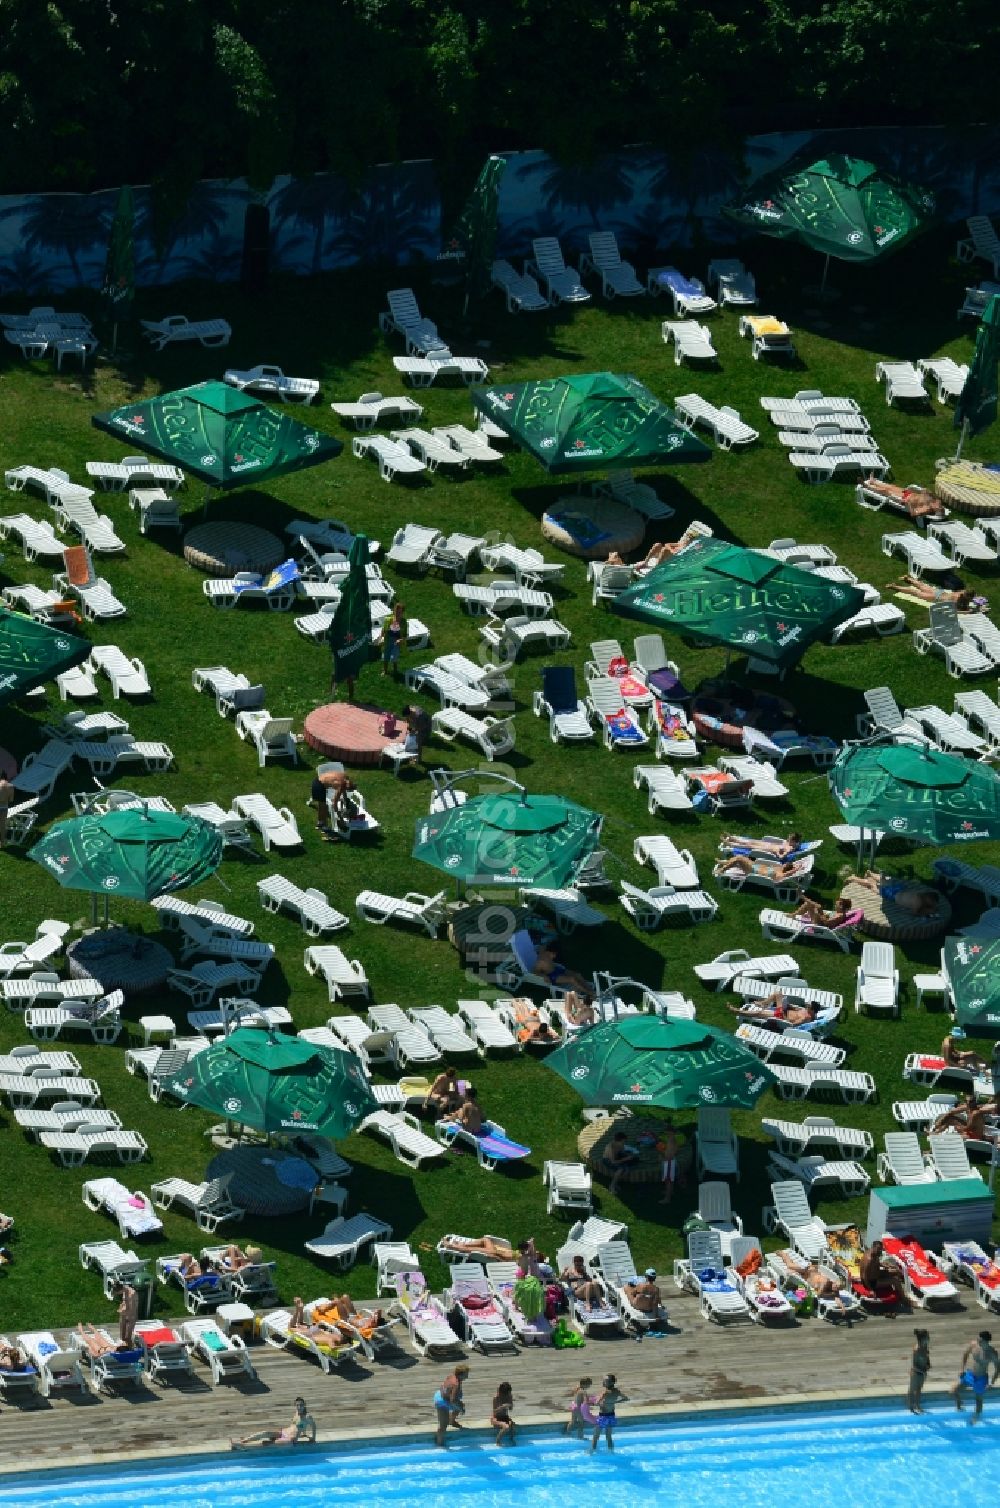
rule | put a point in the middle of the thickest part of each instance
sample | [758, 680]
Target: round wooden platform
[969, 488]
[885, 919]
[222, 549]
[350, 733]
[596, 1136]
[591, 527]
[120, 960]
[8, 764]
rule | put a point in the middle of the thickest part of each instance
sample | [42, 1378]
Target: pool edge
[638, 1412]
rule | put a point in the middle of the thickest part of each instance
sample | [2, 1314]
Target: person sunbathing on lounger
[487, 1246]
[469, 1115]
[233, 1258]
[957, 1057]
[916, 501]
[188, 1267]
[741, 864]
[530, 1025]
[581, 1285]
[325, 1334]
[778, 1007]
[545, 963]
[645, 1295]
[341, 1309]
[658, 552]
[776, 848]
[921, 901]
[968, 1119]
[12, 1359]
[962, 600]
[97, 1344]
[819, 1282]
[876, 1274]
[812, 912]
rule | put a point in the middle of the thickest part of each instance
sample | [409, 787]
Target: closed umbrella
[476, 230]
[351, 627]
[275, 1083]
[972, 965]
[916, 793]
[509, 838]
[742, 599]
[32, 653]
[118, 287]
[223, 437]
[976, 408]
[845, 207]
[646, 1060]
[598, 419]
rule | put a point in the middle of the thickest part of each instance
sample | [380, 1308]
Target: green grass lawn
[327, 329]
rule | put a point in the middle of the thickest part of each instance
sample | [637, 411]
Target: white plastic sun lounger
[427, 911]
[902, 382]
[618, 279]
[727, 427]
[692, 342]
[422, 371]
[674, 867]
[226, 1355]
[38, 539]
[310, 906]
[373, 408]
[702, 1273]
[58, 1370]
[73, 1148]
[561, 283]
[520, 290]
[177, 327]
[921, 554]
[486, 1027]
[272, 380]
[667, 791]
[410, 1143]
[648, 908]
[732, 282]
[816, 1172]
[132, 1210]
[737, 963]
[343, 975]
[343, 1238]
[276, 825]
[816, 1133]
[796, 1083]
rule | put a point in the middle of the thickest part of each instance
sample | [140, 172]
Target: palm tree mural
[596, 188]
[66, 228]
[308, 202]
[390, 220]
[20, 272]
[211, 206]
[217, 258]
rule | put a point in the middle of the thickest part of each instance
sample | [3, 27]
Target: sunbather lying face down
[489, 1246]
[917, 501]
[780, 847]
[97, 1344]
[961, 599]
[820, 1283]
[778, 1007]
[741, 864]
[327, 1334]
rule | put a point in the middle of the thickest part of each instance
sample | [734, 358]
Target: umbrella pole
[826, 269]
[963, 436]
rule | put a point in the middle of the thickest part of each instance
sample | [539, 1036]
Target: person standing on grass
[920, 1365]
[979, 1357]
[448, 1403]
[393, 636]
[607, 1403]
[502, 1416]
[128, 1312]
[8, 796]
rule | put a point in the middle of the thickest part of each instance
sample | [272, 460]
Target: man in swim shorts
[979, 1357]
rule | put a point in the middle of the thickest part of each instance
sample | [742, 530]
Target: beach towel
[986, 1271]
[499, 1147]
[162, 1336]
[671, 726]
[665, 683]
[922, 1271]
[622, 729]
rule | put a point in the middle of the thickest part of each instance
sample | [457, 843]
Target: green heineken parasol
[976, 409]
[602, 419]
[916, 793]
[509, 838]
[842, 206]
[741, 598]
[275, 1083]
[647, 1060]
[118, 288]
[476, 230]
[351, 629]
[133, 852]
[31, 653]
[972, 966]
[221, 436]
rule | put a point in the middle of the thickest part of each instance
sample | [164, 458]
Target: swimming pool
[771, 1459]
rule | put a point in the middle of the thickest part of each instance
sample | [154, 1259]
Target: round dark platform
[591, 527]
[265, 1180]
[8, 764]
[119, 960]
[222, 549]
[345, 731]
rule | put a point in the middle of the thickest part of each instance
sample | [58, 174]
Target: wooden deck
[696, 1366]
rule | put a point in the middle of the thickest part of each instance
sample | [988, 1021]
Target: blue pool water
[780, 1459]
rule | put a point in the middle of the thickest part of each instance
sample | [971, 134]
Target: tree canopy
[95, 93]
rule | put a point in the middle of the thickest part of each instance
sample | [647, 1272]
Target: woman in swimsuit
[580, 1284]
[742, 864]
[488, 1246]
[302, 1428]
[324, 1334]
[606, 1404]
[778, 848]
[392, 639]
[500, 1418]
[578, 1012]
[580, 1401]
[956, 1058]
[812, 912]
[961, 600]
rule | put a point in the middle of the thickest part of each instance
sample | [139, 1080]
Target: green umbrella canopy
[476, 230]
[31, 653]
[508, 839]
[601, 419]
[740, 598]
[916, 793]
[647, 1060]
[275, 1083]
[842, 206]
[134, 852]
[977, 402]
[972, 965]
[224, 437]
[351, 629]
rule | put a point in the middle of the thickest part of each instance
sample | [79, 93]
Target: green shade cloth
[599, 419]
[977, 403]
[732, 596]
[476, 229]
[509, 839]
[224, 437]
[972, 965]
[842, 206]
[135, 853]
[351, 629]
[275, 1083]
[915, 793]
[31, 653]
[118, 287]
[646, 1060]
